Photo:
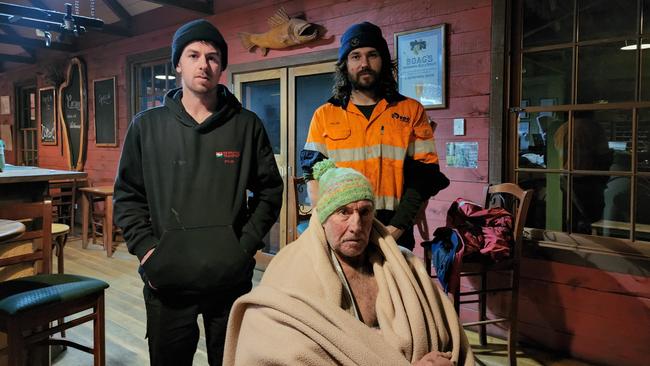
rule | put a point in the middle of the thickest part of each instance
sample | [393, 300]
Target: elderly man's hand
[435, 358]
[394, 232]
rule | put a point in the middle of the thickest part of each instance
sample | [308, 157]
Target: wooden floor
[125, 315]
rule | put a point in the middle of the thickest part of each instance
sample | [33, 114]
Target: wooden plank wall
[591, 314]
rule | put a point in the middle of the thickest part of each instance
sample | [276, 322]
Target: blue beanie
[363, 34]
[198, 30]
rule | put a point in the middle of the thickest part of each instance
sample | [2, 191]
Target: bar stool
[59, 237]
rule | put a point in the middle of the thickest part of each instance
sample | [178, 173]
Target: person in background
[367, 125]
[181, 200]
[344, 293]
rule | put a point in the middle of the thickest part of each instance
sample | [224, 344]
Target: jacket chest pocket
[337, 134]
[395, 133]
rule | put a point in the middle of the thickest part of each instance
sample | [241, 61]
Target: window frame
[508, 16]
[134, 62]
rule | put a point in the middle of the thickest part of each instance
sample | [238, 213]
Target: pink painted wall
[592, 314]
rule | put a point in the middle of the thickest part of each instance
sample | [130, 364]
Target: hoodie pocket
[198, 260]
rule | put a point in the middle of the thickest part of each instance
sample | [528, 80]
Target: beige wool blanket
[296, 315]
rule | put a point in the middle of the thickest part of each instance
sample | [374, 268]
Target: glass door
[285, 100]
[27, 127]
[309, 87]
[264, 93]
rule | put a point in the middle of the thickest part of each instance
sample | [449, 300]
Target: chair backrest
[64, 195]
[302, 211]
[517, 201]
[36, 243]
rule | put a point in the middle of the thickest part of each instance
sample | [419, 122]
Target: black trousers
[406, 240]
[172, 328]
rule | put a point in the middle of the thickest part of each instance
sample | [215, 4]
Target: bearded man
[368, 126]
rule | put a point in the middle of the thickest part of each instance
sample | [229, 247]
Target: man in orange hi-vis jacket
[368, 126]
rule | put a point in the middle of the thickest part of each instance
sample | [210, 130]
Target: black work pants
[172, 328]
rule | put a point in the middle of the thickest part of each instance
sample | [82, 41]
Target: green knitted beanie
[339, 186]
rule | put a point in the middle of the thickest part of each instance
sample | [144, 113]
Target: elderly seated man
[344, 293]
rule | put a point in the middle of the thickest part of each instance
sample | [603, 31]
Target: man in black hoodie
[197, 189]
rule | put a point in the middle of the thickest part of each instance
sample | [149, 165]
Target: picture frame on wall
[47, 115]
[421, 65]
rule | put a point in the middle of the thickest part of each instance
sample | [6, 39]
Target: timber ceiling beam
[35, 43]
[203, 7]
[118, 10]
[18, 59]
[11, 33]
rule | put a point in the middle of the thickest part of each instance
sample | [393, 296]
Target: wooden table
[87, 196]
[10, 229]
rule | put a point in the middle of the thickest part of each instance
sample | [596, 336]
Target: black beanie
[363, 35]
[198, 30]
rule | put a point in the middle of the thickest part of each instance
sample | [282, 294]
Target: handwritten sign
[72, 111]
[47, 115]
[105, 112]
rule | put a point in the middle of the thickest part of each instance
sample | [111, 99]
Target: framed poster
[47, 115]
[105, 112]
[421, 71]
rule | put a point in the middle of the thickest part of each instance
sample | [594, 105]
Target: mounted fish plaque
[73, 114]
[285, 32]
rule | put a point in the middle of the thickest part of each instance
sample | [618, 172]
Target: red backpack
[484, 230]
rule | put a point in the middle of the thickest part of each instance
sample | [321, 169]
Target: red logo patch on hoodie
[228, 156]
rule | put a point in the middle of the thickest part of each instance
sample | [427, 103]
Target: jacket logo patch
[401, 118]
[228, 156]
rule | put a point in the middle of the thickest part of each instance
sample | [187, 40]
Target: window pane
[602, 140]
[547, 22]
[605, 74]
[541, 140]
[263, 98]
[643, 141]
[159, 78]
[312, 91]
[587, 202]
[547, 75]
[604, 19]
[145, 81]
[646, 16]
[645, 69]
[548, 207]
[616, 213]
[642, 231]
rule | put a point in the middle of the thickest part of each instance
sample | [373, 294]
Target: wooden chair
[29, 305]
[97, 214]
[303, 211]
[517, 201]
[64, 200]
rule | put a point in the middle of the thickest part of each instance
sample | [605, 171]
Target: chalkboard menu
[72, 111]
[105, 112]
[47, 115]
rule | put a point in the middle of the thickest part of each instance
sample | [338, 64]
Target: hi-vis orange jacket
[377, 147]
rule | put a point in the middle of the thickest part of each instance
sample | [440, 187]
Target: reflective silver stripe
[368, 152]
[386, 203]
[422, 147]
[316, 146]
